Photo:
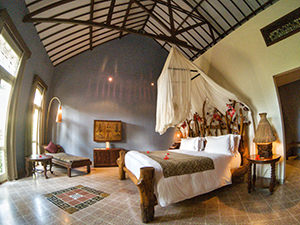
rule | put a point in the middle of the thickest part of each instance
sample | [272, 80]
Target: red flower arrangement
[217, 117]
[230, 110]
[197, 117]
[184, 125]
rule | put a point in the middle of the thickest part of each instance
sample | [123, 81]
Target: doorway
[288, 92]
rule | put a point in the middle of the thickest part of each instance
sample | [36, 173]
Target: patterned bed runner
[180, 164]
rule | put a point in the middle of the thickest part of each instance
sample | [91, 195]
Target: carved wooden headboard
[212, 122]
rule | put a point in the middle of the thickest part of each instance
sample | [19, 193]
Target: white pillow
[219, 145]
[190, 144]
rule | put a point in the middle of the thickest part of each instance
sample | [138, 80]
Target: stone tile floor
[22, 202]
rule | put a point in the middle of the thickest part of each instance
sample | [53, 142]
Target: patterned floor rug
[75, 198]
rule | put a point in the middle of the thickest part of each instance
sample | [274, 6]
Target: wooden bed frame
[232, 125]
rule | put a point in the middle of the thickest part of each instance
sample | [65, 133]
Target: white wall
[243, 64]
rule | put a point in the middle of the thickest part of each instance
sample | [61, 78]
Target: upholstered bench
[67, 160]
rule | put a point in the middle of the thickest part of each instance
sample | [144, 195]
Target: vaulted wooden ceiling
[70, 27]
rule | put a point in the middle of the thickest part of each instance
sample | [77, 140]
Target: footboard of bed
[145, 185]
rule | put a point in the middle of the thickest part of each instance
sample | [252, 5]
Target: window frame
[10, 145]
[38, 83]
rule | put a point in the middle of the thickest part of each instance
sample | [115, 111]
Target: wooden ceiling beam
[171, 19]
[108, 26]
[233, 16]
[126, 16]
[176, 7]
[153, 16]
[208, 23]
[48, 7]
[196, 31]
[110, 12]
[220, 14]
[84, 14]
[238, 8]
[246, 3]
[269, 2]
[78, 37]
[98, 35]
[77, 31]
[183, 36]
[188, 16]
[91, 27]
[146, 21]
[189, 28]
[55, 64]
[32, 3]
[166, 43]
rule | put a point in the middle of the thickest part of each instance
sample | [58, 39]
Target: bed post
[121, 164]
[238, 174]
[146, 187]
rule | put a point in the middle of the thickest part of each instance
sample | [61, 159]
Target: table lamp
[264, 137]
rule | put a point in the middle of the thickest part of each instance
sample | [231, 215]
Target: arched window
[37, 114]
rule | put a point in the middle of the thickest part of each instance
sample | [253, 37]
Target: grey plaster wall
[39, 64]
[81, 83]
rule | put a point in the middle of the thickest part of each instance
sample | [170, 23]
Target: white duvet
[177, 188]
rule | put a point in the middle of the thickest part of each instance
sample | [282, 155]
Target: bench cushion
[67, 157]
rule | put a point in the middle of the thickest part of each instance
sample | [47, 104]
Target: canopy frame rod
[194, 71]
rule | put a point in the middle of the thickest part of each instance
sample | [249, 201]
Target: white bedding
[177, 188]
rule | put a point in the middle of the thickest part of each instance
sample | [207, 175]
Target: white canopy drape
[179, 97]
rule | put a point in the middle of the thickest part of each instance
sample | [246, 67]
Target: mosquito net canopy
[180, 96]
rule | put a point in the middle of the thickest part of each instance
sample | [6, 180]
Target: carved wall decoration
[282, 28]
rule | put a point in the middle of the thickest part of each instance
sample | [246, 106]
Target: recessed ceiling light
[152, 83]
[110, 79]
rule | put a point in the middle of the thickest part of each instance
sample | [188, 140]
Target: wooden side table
[106, 157]
[44, 159]
[253, 159]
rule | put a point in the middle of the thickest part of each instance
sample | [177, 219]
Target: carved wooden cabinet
[106, 157]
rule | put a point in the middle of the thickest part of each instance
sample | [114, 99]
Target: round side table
[44, 159]
[254, 159]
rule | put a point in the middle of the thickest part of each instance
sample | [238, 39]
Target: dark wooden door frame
[280, 80]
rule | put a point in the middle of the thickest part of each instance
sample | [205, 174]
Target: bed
[147, 174]
[170, 190]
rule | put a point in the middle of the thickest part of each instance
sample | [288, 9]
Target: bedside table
[253, 159]
[106, 157]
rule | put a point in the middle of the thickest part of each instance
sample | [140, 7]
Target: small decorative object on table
[264, 137]
[256, 159]
[44, 159]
